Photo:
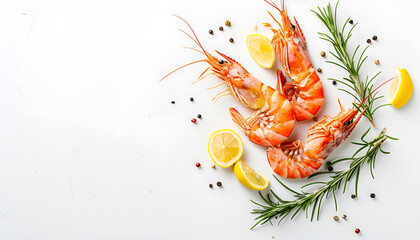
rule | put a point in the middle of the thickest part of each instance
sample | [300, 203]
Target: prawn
[293, 159]
[272, 122]
[305, 91]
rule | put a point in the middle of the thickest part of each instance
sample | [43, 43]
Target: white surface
[91, 148]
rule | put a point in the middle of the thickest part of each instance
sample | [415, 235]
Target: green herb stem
[339, 38]
[310, 202]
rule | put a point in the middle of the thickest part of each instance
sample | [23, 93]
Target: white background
[91, 148]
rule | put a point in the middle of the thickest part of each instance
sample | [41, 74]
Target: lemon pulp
[225, 147]
[401, 88]
[249, 177]
[261, 50]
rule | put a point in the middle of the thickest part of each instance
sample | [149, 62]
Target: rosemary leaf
[350, 62]
[311, 202]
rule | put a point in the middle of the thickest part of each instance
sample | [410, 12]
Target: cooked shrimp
[297, 160]
[305, 91]
[272, 121]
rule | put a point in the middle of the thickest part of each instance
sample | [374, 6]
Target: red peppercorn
[357, 231]
[193, 120]
[198, 164]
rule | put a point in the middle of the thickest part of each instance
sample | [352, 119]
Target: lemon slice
[249, 177]
[401, 88]
[225, 147]
[261, 50]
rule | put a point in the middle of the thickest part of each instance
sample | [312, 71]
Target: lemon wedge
[401, 88]
[225, 147]
[249, 177]
[261, 50]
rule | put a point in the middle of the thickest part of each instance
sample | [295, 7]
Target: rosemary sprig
[310, 202]
[339, 38]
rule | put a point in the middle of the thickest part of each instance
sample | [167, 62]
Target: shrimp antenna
[370, 94]
[195, 39]
[192, 30]
[364, 110]
[273, 4]
[181, 67]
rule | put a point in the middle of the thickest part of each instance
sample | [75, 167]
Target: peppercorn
[221, 28]
[351, 21]
[353, 196]
[368, 41]
[328, 163]
[334, 82]
[199, 116]
[372, 195]
[315, 119]
[323, 54]
[221, 61]
[213, 166]
[319, 70]
[227, 23]
[330, 168]
[376, 61]
[211, 31]
[375, 37]
[173, 102]
[198, 164]
[219, 184]
[344, 216]
[193, 120]
[231, 40]
[293, 26]
[336, 218]
[210, 185]
[357, 230]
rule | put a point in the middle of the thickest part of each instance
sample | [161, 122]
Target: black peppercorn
[173, 102]
[330, 168]
[211, 31]
[375, 37]
[191, 99]
[221, 61]
[221, 28]
[351, 21]
[353, 196]
[230, 39]
[219, 184]
[199, 116]
[368, 41]
[319, 70]
[372, 195]
[210, 185]
[334, 82]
